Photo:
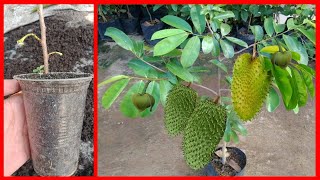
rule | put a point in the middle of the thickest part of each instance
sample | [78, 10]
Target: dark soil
[76, 44]
[236, 155]
[66, 75]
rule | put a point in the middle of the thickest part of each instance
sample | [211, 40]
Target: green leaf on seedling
[138, 48]
[198, 19]
[166, 33]
[207, 44]
[176, 22]
[268, 26]
[282, 78]
[257, 32]
[296, 46]
[273, 100]
[112, 79]
[225, 29]
[227, 49]
[220, 65]
[237, 41]
[165, 87]
[120, 38]
[216, 48]
[113, 92]
[278, 28]
[215, 24]
[190, 52]
[224, 15]
[127, 108]
[168, 44]
[178, 70]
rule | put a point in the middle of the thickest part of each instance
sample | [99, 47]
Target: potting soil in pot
[70, 33]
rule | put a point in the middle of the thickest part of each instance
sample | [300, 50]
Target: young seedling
[43, 68]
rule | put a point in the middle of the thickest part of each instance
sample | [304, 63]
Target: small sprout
[20, 42]
[59, 53]
[39, 69]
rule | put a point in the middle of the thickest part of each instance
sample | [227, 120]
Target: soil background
[72, 34]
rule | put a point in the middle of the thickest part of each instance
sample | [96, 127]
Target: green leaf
[179, 71]
[227, 132]
[190, 52]
[307, 68]
[156, 7]
[267, 64]
[138, 48]
[225, 29]
[127, 108]
[153, 89]
[278, 27]
[295, 56]
[268, 26]
[309, 82]
[166, 33]
[113, 92]
[290, 24]
[234, 136]
[215, 24]
[142, 69]
[165, 87]
[257, 31]
[220, 65]
[120, 38]
[282, 78]
[168, 44]
[296, 110]
[271, 49]
[227, 49]
[296, 46]
[224, 15]
[174, 7]
[237, 41]
[152, 58]
[173, 53]
[198, 69]
[295, 96]
[216, 48]
[244, 15]
[112, 79]
[197, 18]
[176, 22]
[301, 88]
[309, 33]
[273, 100]
[207, 44]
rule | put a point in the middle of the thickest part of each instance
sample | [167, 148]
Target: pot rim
[83, 76]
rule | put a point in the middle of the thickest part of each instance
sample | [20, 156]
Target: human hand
[16, 142]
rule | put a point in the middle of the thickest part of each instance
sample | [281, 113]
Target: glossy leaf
[225, 29]
[190, 52]
[215, 24]
[207, 44]
[197, 18]
[179, 71]
[257, 31]
[244, 15]
[237, 41]
[113, 92]
[168, 44]
[308, 69]
[112, 79]
[220, 65]
[166, 33]
[290, 24]
[295, 96]
[273, 100]
[296, 46]
[309, 33]
[271, 49]
[278, 28]
[120, 38]
[268, 26]
[127, 108]
[138, 48]
[176, 22]
[224, 15]
[282, 78]
[216, 48]
[227, 49]
[142, 69]
[309, 82]
[301, 88]
[165, 87]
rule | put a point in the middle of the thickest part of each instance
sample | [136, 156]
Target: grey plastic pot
[54, 105]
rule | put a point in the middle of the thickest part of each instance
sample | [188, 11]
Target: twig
[206, 88]
[43, 40]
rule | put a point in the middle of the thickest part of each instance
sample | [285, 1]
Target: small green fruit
[143, 101]
[282, 59]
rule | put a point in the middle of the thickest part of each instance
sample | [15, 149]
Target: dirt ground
[280, 143]
[67, 32]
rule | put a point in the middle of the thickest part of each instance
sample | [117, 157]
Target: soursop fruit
[180, 103]
[203, 133]
[250, 85]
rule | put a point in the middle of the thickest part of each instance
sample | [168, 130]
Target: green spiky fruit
[143, 101]
[250, 85]
[180, 103]
[203, 133]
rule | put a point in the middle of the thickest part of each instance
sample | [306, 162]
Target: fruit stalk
[145, 87]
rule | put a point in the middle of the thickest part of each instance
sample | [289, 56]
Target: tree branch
[43, 40]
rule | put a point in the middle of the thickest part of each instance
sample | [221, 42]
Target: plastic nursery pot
[214, 168]
[54, 105]
[130, 25]
[148, 30]
[102, 26]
